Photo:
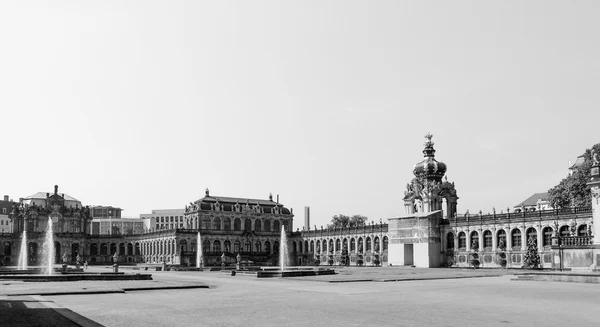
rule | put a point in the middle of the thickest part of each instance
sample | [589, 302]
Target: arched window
[113, 248]
[193, 246]
[376, 244]
[276, 226]
[360, 245]
[368, 243]
[122, 248]
[582, 230]
[130, 248]
[227, 246]
[338, 245]
[300, 247]
[182, 246]
[516, 238]
[267, 225]
[205, 246]
[547, 232]
[93, 249]
[501, 239]
[312, 246]
[103, 249]
[248, 225]
[205, 222]
[7, 248]
[306, 248]
[385, 243]
[450, 241]
[257, 225]
[268, 247]
[257, 247]
[345, 244]
[474, 240]
[324, 246]
[532, 232]
[247, 246]
[487, 239]
[237, 224]
[226, 223]
[236, 246]
[352, 244]
[137, 249]
[216, 223]
[275, 247]
[217, 246]
[330, 246]
[462, 240]
[565, 231]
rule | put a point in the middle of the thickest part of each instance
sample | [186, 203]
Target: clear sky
[144, 104]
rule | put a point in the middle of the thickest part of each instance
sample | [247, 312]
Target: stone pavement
[422, 297]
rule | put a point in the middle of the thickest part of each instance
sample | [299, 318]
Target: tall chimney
[6, 198]
[307, 218]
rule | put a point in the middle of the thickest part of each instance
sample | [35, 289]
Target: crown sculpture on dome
[429, 136]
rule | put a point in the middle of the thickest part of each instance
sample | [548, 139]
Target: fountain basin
[272, 272]
[70, 277]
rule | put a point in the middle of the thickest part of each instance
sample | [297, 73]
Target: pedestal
[64, 267]
[116, 268]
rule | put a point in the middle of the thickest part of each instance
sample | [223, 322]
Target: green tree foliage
[347, 221]
[573, 190]
[531, 259]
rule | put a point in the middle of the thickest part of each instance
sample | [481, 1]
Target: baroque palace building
[430, 233]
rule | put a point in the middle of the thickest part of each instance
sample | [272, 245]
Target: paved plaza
[437, 298]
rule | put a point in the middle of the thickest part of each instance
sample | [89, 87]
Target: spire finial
[270, 196]
[55, 189]
[207, 192]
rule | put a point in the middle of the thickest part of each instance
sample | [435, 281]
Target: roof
[43, 196]
[533, 200]
[225, 199]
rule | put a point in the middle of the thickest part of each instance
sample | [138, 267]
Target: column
[494, 239]
[480, 234]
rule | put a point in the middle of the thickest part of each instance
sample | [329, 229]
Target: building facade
[216, 229]
[164, 219]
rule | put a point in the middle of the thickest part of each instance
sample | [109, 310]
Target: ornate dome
[429, 168]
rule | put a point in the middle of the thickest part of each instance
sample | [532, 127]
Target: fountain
[199, 252]
[283, 257]
[48, 246]
[23, 253]
[284, 269]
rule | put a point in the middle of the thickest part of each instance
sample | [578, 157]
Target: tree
[346, 221]
[531, 259]
[573, 190]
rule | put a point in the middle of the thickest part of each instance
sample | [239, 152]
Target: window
[474, 240]
[532, 233]
[547, 232]
[462, 240]
[385, 243]
[4, 211]
[564, 231]
[516, 238]
[582, 230]
[487, 239]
